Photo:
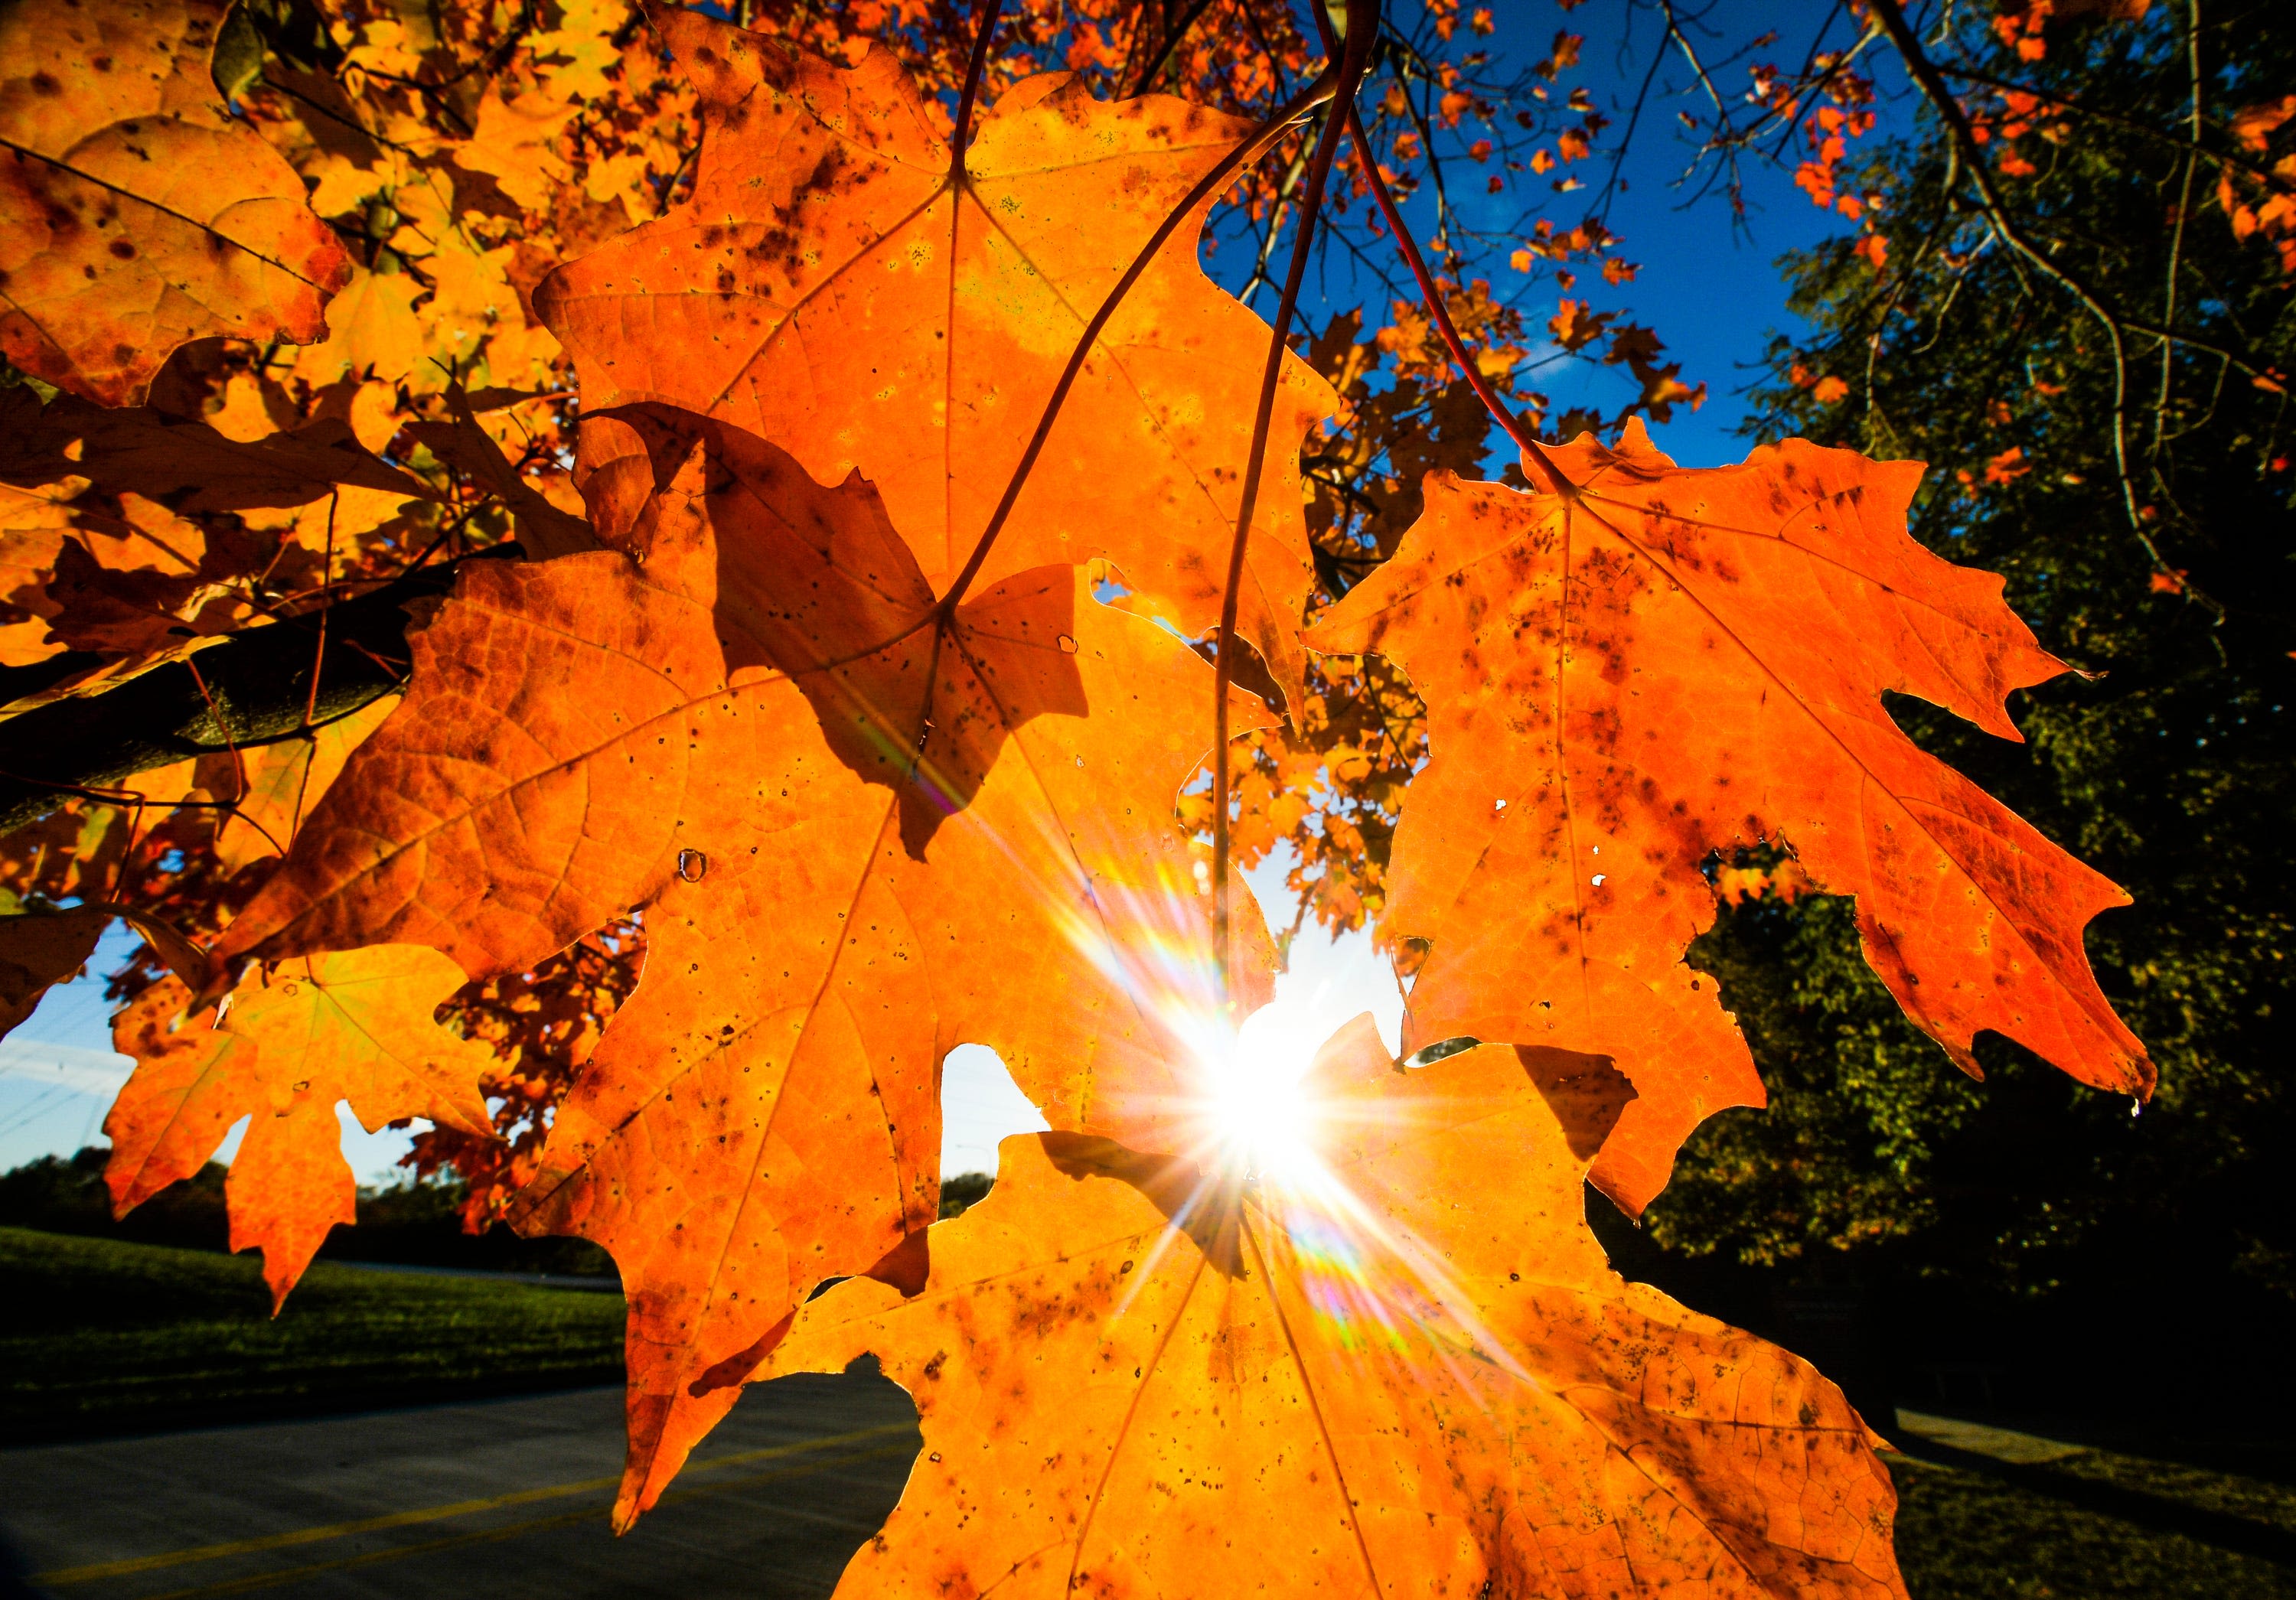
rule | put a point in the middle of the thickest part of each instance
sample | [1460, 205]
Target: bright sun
[1260, 1114]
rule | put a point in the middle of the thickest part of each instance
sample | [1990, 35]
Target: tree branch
[256, 687]
[1933, 86]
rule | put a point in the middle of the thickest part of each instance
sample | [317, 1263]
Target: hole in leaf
[980, 1106]
[1440, 1049]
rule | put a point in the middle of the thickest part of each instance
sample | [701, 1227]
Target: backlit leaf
[274, 786]
[354, 1026]
[864, 834]
[1683, 661]
[832, 287]
[1396, 1364]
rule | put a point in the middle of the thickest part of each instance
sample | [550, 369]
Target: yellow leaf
[344, 187]
[514, 142]
[372, 330]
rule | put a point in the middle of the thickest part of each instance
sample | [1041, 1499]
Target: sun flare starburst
[1260, 1110]
[1261, 1116]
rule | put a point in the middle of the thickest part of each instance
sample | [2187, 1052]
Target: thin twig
[1292, 173]
[1175, 33]
[2176, 237]
[327, 580]
[1363, 29]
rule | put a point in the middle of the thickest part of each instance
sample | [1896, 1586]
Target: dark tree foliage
[2169, 760]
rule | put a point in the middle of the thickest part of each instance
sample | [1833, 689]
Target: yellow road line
[459, 1509]
[564, 1519]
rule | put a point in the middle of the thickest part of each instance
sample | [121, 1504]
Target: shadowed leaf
[39, 950]
[187, 467]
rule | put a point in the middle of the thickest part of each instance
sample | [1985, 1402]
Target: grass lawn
[2097, 1526]
[102, 1336]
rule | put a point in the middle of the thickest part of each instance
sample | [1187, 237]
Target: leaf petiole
[1363, 29]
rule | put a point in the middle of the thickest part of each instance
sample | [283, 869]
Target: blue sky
[1710, 290]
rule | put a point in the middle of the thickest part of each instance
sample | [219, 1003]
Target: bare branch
[1933, 88]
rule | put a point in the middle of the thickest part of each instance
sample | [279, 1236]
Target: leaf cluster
[830, 468]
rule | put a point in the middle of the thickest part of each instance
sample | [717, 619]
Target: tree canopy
[2108, 426]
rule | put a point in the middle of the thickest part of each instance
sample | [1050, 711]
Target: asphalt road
[502, 1499]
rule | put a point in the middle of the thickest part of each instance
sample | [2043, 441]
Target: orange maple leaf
[135, 214]
[1132, 1375]
[835, 286]
[82, 577]
[2253, 127]
[1622, 681]
[356, 1026]
[2007, 467]
[864, 832]
[34, 524]
[1574, 328]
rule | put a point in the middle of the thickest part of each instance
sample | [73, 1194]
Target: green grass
[2098, 1526]
[102, 1335]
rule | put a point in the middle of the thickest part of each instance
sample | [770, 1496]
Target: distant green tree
[66, 1196]
[2049, 221]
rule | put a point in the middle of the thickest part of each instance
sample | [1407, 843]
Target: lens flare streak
[1239, 1101]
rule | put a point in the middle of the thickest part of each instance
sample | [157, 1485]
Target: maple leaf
[354, 1026]
[135, 214]
[373, 330]
[33, 526]
[132, 613]
[72, 568]
[864, 832]
[515, 143]
[41, 948]
[1401, 1365]
[1622, 682]
[835, 286]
